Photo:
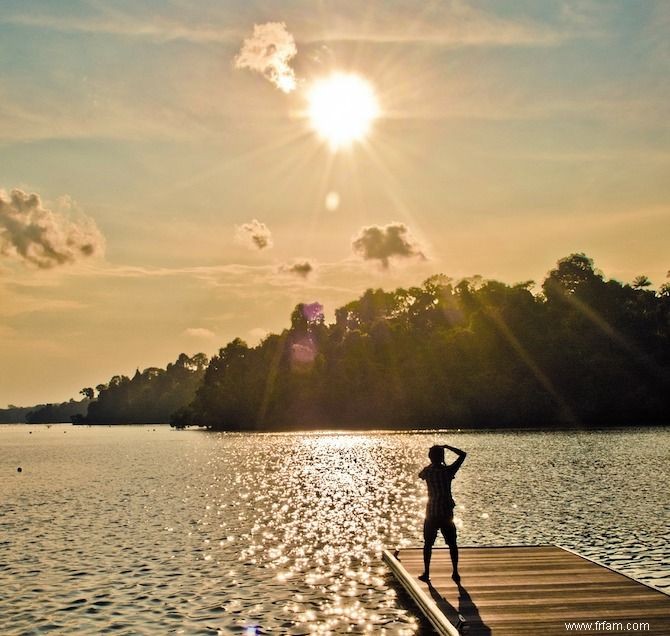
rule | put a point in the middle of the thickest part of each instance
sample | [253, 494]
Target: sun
[342, 108]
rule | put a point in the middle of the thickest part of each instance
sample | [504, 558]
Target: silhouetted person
[440, 507]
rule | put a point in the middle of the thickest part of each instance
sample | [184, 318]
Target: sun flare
[342, 108]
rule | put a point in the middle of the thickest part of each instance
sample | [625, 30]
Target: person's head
[436, 455]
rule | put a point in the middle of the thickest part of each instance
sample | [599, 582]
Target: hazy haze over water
[148, 530]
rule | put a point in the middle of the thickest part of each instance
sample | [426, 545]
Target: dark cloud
[254, 235]
[384, 242]
[41, 236]
[299, 268]
[268, 52]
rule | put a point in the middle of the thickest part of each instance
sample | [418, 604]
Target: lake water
[147, 530]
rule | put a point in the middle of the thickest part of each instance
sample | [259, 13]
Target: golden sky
[172, 175]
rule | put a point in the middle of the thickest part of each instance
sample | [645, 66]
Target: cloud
[13, 304]
[268, 52]
[43, 237]
[254, 235]
[199, 332]
[152, 28]
[299, 268]
[382, 243]
[446, 24]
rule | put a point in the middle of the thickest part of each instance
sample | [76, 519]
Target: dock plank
[519, 590]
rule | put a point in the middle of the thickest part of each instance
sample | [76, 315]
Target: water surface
[147, 530]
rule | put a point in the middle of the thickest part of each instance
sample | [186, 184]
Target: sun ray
[391, 188]
[294, 135]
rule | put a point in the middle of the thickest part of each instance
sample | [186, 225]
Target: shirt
[438, 479]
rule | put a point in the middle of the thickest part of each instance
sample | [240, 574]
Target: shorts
[445, 524]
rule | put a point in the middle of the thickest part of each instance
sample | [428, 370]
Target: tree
[640, 282]
[151, 396]
[572, 273]
[88, 393]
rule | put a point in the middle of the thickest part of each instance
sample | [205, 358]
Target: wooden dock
[529, 590]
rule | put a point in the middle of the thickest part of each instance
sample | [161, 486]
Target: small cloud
[299, 268]
[44, 237]
[254, 235]
[384, 242]
[199, 332]
[268, 52]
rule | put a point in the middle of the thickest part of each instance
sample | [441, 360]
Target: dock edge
[425, 603]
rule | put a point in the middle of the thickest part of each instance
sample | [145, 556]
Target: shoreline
[354, 431]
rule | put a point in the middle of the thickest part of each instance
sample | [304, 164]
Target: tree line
[474, 353]
[581, 350]
[44, 413]
[151, 396]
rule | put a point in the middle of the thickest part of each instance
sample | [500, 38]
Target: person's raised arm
[461, 457]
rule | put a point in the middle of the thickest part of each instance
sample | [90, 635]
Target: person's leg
[429, 536]
[449, 534]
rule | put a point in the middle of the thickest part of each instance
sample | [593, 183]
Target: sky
[162, 190]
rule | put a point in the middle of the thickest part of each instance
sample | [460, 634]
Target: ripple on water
[113, 531]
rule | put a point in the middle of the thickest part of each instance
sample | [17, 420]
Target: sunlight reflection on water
[146, 530]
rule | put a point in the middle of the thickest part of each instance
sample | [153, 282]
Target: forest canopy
[579, 350]
[471, 354]
[149, 397]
